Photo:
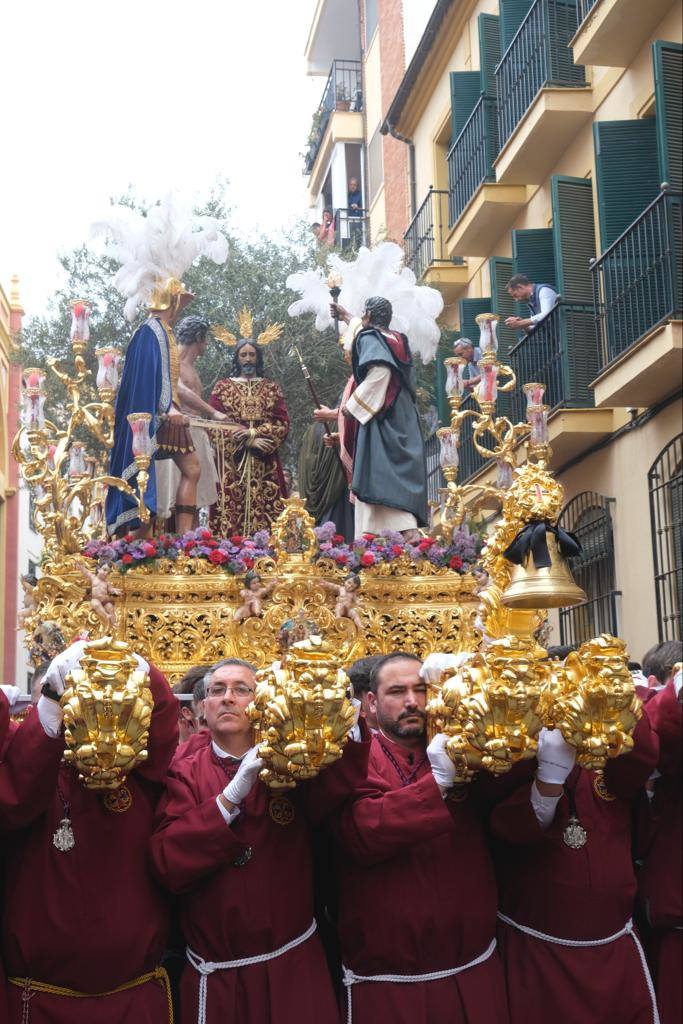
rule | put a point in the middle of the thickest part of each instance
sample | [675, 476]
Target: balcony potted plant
[343, 98]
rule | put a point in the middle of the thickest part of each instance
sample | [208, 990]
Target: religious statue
[382, 425]
[153, 251]
[192, 334]
[101, 593]
[252, 483]
[346, 606]
[28, 584]
[252, 597]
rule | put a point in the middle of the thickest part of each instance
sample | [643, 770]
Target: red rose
[217, 557]
[337, 539]
[368, 536]
[212, 543]
[189, 546]
[249, 562]
[127, 559]
[342, 560]
[149, 548]
[205, 534]
[236, 539]
[128, 538]
[396, 549]
[367, 559]
[455, 562]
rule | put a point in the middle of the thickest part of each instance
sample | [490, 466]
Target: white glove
[354, 732]
[555, 757]
[50, 714]
[678, 683]
[239, 787]
[11, 692]
[438, 662]
[442, 767]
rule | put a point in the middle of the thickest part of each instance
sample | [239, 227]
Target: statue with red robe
[252, 483]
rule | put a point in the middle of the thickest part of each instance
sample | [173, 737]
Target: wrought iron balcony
[350, 228]
[343, 91]
[471, 157]
[562, 354]
[538, 55]
[637, 281]
[424, 239]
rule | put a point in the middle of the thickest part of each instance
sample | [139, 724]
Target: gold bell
[551, 587]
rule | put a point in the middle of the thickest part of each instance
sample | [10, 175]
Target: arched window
[665, 484]
[588, 516]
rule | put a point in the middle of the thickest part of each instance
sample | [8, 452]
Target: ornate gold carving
[107, 711]
[301, 714]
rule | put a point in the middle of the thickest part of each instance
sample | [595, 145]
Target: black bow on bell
[533, 538]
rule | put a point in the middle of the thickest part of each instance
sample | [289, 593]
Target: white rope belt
[206, 967]
[350, 979]
[584, 943]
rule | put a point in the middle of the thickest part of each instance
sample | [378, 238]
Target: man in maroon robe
[660, 882]
[240, 856]
[568, 886]
[84, 927]
[417, 902]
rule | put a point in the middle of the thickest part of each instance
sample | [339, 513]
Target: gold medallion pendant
[575, 835]
[119, 800]
[64, 839]
[281, 810]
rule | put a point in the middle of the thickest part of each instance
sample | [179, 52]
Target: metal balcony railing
[538, 55]
[637, 281]
[350, 228]
[343, 91]
[470, 158]
[434, 474]
[424, 240]
[585, 7]
[562, 354]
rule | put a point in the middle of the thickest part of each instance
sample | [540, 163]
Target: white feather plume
[377, 271]
[152, 248]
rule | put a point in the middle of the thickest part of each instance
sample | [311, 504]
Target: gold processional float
[186, 611]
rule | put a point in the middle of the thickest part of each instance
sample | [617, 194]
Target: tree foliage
[254, 275]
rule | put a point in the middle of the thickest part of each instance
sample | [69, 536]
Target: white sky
[158, 95]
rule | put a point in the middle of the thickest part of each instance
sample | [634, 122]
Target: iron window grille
[665, 486]
[588, 515]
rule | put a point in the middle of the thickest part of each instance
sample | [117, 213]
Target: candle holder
[77, 464]
[334, 283]
[80, 328]
[449, 457]
[108, 364]
[488, 339]
[455, 382]
[143, 450]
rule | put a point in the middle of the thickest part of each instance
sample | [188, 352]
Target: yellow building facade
[540, 136]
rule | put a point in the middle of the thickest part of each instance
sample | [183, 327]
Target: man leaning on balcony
[540, 298]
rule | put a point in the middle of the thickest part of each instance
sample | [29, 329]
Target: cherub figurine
[347, 599]
[101, 593]
[252, 597]
[28, 583]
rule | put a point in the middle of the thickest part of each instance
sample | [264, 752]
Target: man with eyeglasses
[239, 855]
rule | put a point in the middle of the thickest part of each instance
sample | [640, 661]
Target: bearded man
[252, 483]
[417, 901]
[240, 857]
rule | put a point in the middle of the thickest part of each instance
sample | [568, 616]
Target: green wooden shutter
[512, 14]
[465, 91]
[627, 172]
[444, 351]
[668, 67]
[469, 309]
[573, 236]
[574, 246]
[533, 255]
[489, 51]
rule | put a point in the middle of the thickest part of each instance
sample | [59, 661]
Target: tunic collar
[224, 755]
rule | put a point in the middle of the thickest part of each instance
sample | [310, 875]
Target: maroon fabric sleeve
[163, 730]
[28, 773]
[625, 776]
[337, 784]
[514, 819]
[665, 712]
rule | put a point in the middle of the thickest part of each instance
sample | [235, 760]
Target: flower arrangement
[236, 554]
[374, 549]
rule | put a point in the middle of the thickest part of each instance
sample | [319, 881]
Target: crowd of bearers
[427, 933]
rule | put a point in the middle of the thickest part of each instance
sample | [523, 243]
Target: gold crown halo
[245, 324]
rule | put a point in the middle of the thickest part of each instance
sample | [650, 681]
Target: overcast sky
[174, 95]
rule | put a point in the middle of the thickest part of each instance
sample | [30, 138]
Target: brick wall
[392, 57]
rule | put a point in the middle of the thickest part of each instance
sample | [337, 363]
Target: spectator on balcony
[540, 298]
[464, 347]
[315, 228]
[326, 232]
[355, 212]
